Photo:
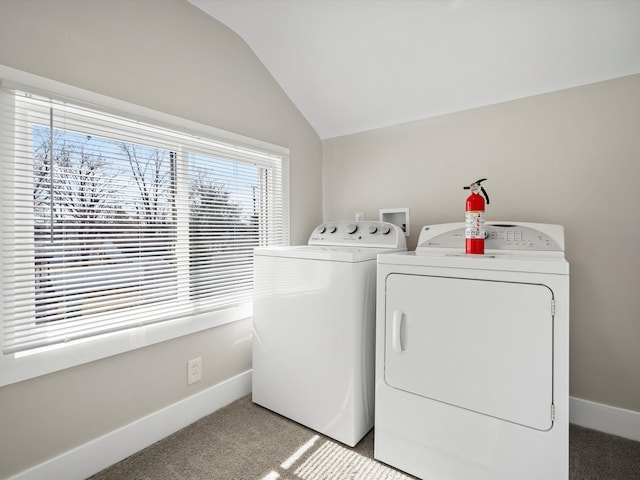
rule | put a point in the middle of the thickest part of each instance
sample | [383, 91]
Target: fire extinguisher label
[474, 225]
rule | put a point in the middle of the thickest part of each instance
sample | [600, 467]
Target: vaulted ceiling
[354, 65]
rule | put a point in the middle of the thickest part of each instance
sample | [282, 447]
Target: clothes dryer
[314, 327]
[472, 355]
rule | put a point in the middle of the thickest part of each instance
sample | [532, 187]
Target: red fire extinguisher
[474, 232]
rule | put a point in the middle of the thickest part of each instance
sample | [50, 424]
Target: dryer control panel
[537, 237]
[359, 233]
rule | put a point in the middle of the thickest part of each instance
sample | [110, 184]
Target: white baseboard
[90, 458]
[597, 416]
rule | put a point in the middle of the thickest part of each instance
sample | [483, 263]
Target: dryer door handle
[396, 328]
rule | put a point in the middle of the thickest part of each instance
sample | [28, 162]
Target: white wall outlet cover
[194, 370]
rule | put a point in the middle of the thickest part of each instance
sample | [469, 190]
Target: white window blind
[110, 223]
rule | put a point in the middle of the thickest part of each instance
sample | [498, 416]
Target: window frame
[20, 366]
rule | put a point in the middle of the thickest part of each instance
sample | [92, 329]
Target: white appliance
[314, 327]
[472, 356]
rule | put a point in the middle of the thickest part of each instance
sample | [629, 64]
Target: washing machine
[314, 327]
[472, 355]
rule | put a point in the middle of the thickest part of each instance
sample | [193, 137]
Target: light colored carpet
[244, 441]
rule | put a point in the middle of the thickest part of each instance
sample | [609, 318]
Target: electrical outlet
[194, 370]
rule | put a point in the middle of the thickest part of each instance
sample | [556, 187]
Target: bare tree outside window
[106, 206]
[222, 231]
[110, 205]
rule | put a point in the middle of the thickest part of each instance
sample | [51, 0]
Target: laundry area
[468, 336]
[320, 240]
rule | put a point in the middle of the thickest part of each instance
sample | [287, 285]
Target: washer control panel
[359, 233]
[499, 236]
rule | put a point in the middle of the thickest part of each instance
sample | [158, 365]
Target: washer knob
[332, 229]
[385, 229]
[352, 228]
[322, 228]
[373, 229]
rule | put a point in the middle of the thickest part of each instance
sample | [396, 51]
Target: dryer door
[485, 346]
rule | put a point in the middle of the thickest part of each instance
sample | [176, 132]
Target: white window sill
[34, 363]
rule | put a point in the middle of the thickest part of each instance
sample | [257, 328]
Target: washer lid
[326, 253]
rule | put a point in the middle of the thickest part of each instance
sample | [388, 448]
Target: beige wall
[169, 56]
[571, 157]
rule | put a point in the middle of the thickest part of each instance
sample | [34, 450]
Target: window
[110, 223]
